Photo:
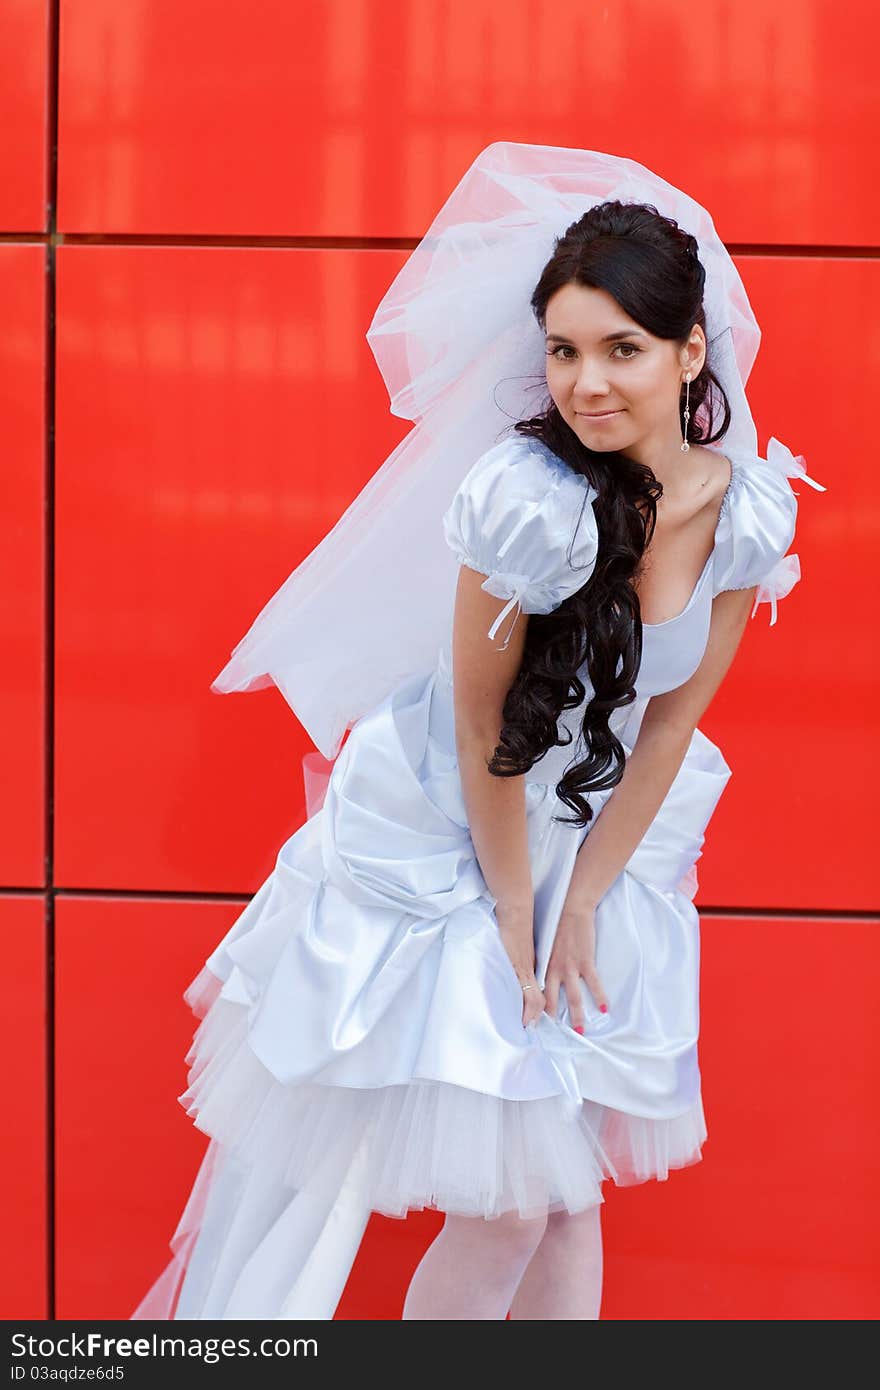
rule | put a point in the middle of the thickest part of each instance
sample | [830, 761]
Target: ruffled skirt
[360, 1045]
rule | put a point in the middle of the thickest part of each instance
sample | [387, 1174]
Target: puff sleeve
[525, 519]
[757, 525]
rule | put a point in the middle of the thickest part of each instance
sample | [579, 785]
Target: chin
[600, 438]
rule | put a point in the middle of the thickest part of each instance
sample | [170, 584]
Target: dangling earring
[687, 413]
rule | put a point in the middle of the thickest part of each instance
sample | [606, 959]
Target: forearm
[496, 810]
[627, 814]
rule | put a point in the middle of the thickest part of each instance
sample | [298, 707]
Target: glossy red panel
[186, 493]
[202, 450]
[781, 1219]
[24, 74]
[340, 119]
[777, 1222]
[22, 565]
[126, 1152]
[797, 715]
[24, 1270]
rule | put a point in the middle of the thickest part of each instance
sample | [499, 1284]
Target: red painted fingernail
[579, 1029]
[604, 1008]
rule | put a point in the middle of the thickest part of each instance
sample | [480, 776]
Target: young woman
[471, 981]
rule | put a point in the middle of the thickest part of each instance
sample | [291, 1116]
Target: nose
[590, 388]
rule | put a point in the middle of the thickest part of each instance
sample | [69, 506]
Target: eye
[564, 347]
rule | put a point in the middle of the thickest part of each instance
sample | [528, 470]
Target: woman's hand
[572, 959]
[533, 997]
[516, 929]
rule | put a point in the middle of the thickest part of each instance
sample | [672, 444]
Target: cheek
[561, 377]
[649, 380]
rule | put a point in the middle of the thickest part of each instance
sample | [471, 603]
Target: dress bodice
[671, 652]
[512, 519]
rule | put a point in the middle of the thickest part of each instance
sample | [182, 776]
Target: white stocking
[564, 1276]
[472, 1268]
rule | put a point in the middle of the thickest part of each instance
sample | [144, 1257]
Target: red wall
[185, 294]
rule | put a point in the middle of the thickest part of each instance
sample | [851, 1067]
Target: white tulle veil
[462, 356]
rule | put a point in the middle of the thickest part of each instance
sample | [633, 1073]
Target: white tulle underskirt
[421, 1144]
[292, 1173]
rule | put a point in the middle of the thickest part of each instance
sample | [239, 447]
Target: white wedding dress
[360, 1045]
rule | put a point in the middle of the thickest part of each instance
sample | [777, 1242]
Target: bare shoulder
[718, 469]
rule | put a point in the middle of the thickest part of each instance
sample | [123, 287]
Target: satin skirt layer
[360, 1045]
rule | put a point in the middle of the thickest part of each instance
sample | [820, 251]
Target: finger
[530, 989]
[594, 985]
[575, 1002]
[534, 1008]
[551, 994]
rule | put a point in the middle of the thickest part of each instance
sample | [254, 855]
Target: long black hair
[651, 267]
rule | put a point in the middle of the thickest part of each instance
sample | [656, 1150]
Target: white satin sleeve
[525, 520]
[758, 527]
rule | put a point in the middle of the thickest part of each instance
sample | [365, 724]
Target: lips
[599, 414]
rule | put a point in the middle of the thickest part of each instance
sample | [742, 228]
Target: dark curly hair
[652, 269]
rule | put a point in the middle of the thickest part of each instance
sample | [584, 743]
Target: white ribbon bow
[787, 571]
[781, 458]
[500, 583]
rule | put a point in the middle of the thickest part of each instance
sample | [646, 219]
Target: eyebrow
[609, 337]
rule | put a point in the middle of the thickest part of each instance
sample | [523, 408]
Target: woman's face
[598, 360]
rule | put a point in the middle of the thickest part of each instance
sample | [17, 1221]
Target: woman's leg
[564, 1276]
[472, 1268]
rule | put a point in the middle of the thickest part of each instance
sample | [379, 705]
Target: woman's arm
[666, 730]
[496, 807]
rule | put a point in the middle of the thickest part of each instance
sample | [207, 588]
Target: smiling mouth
[599, 415]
